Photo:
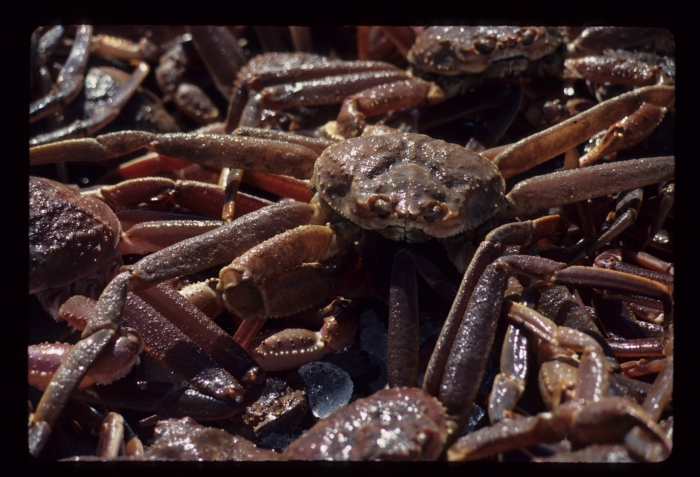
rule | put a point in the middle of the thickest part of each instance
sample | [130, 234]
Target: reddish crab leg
[209, 336]
[511, 234]
[402, 342]
[262, 73]
[468, 351]
[566, 187]
[528, 152]
[243, 152]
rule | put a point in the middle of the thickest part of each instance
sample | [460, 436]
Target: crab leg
[70, 78]
[626, 133]
[383, 98]
[523, 233]
[566, 187]
[227, 151]
[104, 116]
[202, 330]
[62, 386]
[551, 142]
[177, 349]
[509, 385]
[277, 69]
[294, 347]
[161, 398]
[402, 341]
[220, 52]
[581, 419]
[626, 211]
[257, 284]
[463, 368]
[111, 436]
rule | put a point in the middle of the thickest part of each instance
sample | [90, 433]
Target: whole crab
[406, 186]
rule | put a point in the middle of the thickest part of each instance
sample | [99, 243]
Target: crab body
[408, 186]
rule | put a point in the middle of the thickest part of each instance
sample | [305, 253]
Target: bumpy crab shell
[408, 186]
[59, 251]
[471, 50]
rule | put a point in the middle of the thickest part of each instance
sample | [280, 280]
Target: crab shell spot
[411, 174]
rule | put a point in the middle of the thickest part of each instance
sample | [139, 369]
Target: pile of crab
[248, 289]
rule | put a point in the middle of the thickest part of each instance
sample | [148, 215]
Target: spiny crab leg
[556, 140]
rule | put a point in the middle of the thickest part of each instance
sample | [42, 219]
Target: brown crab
[423, 208]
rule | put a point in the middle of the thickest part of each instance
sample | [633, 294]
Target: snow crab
[261, 282]
[278, 247]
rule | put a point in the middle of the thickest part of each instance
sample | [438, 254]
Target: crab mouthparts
[407, 204]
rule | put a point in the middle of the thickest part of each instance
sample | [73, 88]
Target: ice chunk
[327, 386]
[374, 342]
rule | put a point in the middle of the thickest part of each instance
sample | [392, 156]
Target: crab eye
[433, 213]
[382, 207]
[485, 45]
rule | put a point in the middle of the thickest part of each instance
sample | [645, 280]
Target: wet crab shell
[471, 50]
[408, 186]
[70, 236]
[392, 424]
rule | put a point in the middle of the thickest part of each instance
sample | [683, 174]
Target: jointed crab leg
[70, 78]
[243, 152]
[63, 385]
[551, 142]
[581, 419]
[524, 233]
[464, 366]
[509, 385]
[104, 115]
[566, 187]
